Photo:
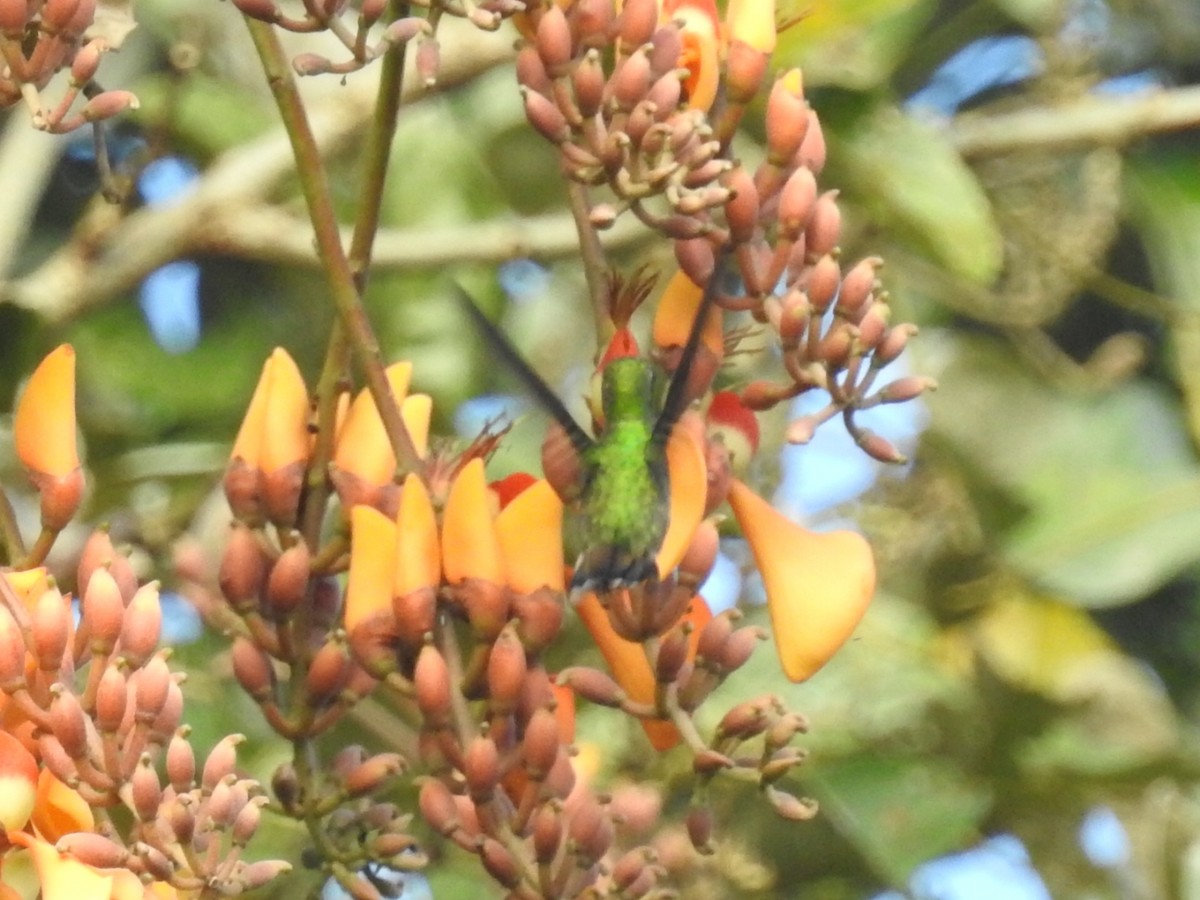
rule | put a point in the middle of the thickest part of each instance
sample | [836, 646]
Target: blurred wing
[500, 345]
[676, 400]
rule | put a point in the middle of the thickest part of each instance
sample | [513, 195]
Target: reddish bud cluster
[625, 127]
[58, 27]
[98, 705]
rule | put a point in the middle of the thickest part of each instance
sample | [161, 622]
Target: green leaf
[855, 44]
[911, 174]
[898, 811]
[1108, 481]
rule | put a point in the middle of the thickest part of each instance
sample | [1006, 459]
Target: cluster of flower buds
[90, 706]
[832, 324]
[95, 705]
[58, 29]
[638, 127]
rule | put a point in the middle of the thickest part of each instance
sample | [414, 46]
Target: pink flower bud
[553, 41]
[638, 20]
[107, 105]
[544, 116]
[786, 118]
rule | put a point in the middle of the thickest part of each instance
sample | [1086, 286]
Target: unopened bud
[221, 761]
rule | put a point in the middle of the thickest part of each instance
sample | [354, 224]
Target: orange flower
[18, 783]
[700, 30]
[418, 557]
[689, 489]
[753, 23]
[363, 448]
[470, 545]
[818, 585]
[44, 427]
[530, 532]
[372, 566]
[628, 664]
[274, 431]
[63, 877]
[59, 809]
[44, 432]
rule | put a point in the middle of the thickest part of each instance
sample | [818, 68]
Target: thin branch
[315, 186]
[595, 264]
[1096, 119]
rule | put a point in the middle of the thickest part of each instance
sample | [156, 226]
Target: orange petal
[59, 809]
[470, 546]
[700, 32]
[285, 436]
[372, 566]
[63, 877]
[818, 585]
[689, 490]
[44, 425]
[18, 782]
[28, 584]
[247, 445]
[416, 411]
[753, 23]
[530, 533]
[127, 886]
[418, 558]
[628, 664]
[363, 448]
[677, 311]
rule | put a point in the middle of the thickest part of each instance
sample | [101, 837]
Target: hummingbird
[618, 512]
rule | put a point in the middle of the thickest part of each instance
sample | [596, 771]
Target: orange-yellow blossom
[753, 23]
[372, 566]
[470, 545]
[688, 477]
[44, 425]
[418, 554]
[529, 528]
[59, 810]
[274, 431]
[628, 664]
[28, 584]
[63, 877]
[700, 30]
[363, 448]
[18, 782]
[676, 312]
[818, 585]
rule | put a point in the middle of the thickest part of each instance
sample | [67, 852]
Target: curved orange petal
[530, 533]
[18, 782]
[416, 410]
[59, 809]
[363, 448]
[818, 585]
[63, 877]
[28, 584]
[470, 546]
[689, 490]
[418, 557]
[753, 23]
[676, 312]
[44, 425]
[285, 436]
[372, 566]
[628, 664]
[701, 35]
[247, 445]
